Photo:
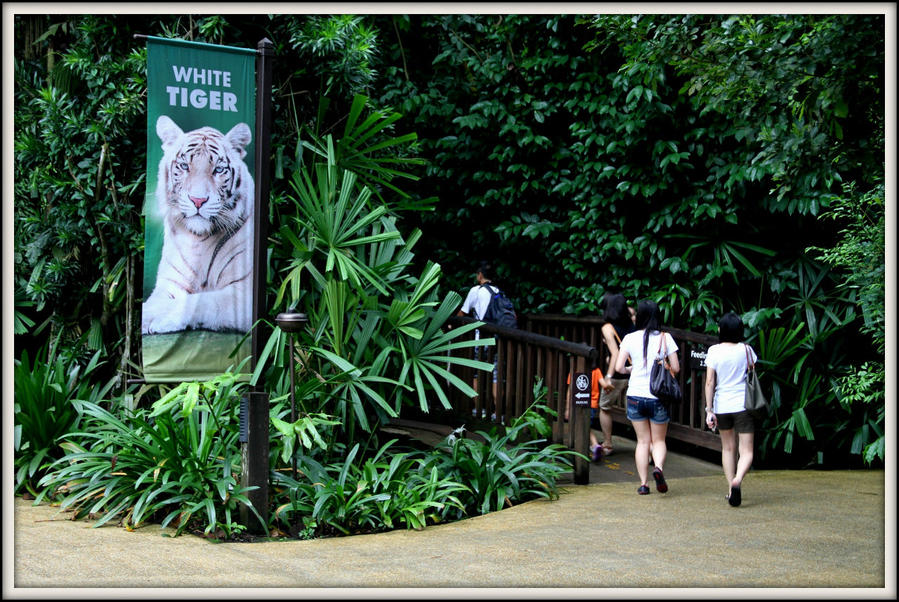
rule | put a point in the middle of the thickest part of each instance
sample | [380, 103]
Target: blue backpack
[500, 310]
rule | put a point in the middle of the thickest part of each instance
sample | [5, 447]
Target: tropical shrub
[859, 255]
[672, 157]
[178, 462]
[392, 489]
[48, 398]
[504, 467]
[374, 336]
[396, 487]
[79, 174]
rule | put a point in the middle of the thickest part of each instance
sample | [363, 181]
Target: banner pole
[255, 451]
[265, 52]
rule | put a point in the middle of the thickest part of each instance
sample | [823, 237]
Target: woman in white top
[647, 414]
[725, 388]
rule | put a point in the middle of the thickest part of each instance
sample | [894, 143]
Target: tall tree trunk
[129, 322]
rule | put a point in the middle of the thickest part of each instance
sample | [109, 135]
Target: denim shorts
[641, 408]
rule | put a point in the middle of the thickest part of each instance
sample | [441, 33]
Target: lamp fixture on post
[291, 322]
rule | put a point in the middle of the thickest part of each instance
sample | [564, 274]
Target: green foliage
[859, 255]
[374, 329]
[368, 149]
[504, 467]
[178, 462]
[340, 49]
[78, 179]
[638, 166]
[672, 157]
[304, 429]
[862, 392]
[809, 364]
[795, 360]
[782, 67]
[389, 490]
[48, 399]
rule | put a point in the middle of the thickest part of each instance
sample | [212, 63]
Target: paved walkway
[795, 529]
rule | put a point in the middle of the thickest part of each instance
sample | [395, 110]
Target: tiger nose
[198, 201]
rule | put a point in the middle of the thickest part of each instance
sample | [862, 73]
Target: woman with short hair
[725, 390]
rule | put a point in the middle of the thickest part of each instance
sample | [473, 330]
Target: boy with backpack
[485, 302]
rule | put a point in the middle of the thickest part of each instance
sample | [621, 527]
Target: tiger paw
[162, 317]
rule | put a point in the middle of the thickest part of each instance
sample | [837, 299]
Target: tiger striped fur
[205, 193]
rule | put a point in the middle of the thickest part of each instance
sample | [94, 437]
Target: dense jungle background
[710, 162]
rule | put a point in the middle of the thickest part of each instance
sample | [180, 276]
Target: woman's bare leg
[659, 447]
[746, 443]
[728, 455]
[641, 453]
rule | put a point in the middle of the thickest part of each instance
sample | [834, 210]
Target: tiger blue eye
[184, 166]
[218, 169]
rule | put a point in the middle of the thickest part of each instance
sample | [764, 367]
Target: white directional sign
[581, 389]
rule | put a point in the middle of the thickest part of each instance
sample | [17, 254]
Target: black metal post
[293, 395]
[291, 322]
[255, 466]
[255, 462]
[265, 52]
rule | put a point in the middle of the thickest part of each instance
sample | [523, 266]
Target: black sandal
[735, 497]
[661, 485]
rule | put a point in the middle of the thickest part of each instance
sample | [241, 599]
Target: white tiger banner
[198, 257]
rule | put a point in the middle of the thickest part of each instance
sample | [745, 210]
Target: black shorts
[742, 422]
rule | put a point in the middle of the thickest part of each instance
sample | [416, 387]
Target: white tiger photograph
[204, 196]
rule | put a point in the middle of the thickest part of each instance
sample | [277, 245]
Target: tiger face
[203, 180]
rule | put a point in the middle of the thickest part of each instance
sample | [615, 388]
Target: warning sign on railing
[581, 389]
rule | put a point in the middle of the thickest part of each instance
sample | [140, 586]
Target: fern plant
[375, 328]
[506, 465]
[48, 398]
[177, 463]
[392, 489]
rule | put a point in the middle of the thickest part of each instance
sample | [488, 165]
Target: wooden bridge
[552, 347]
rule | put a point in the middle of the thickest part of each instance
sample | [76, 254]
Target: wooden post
[559, 400]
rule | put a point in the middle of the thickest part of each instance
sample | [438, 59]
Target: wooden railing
[552, 347]
[522, 357]
[688, 418]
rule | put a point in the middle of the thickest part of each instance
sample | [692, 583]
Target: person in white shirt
[478, 298]
[725, 388]
[647, 413]
[475, 306]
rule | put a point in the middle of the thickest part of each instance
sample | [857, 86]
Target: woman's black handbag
[662, 382]
[754, 401]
